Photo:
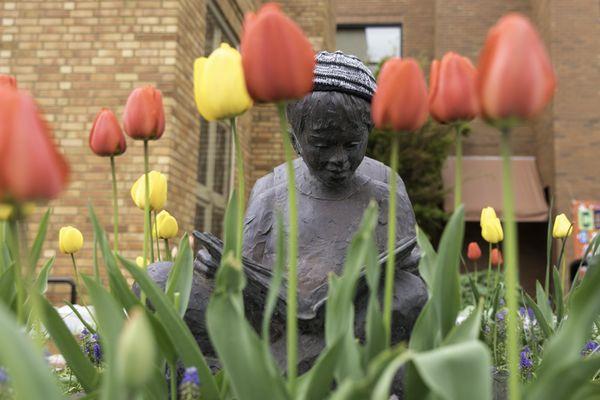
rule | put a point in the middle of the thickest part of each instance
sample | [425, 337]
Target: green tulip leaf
[316, 383]
[428, 260]
[558, 296]
[7, 286]
[446, 282]
[468, 330]
[181, 275]
[177, 330]
[539, 315]
[110, 319]
[81, 366]
[117, 282]
[456, 372]
[543, 303]
[252, 375]
[29, 373]
[584, 307]
[36, 248]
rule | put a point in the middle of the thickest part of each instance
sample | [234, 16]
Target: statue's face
[332, 144]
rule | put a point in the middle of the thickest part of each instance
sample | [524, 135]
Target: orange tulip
[400, 101]
[497, 257]
[31, 168]
[452, 94]
[516, 78]
[277, 57]
[473, 251]
[106, 136]
[144, 115]
[7, 80]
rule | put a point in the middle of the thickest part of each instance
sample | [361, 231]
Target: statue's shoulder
[374, 169]
[268, 183]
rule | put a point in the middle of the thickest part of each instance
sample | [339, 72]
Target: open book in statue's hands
[259, 276]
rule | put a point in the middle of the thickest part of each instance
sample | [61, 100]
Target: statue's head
[331, 125]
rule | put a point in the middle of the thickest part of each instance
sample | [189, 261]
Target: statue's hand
[204, 263]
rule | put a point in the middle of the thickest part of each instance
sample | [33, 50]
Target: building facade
[81, 55]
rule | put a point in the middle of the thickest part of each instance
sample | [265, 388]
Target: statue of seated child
[335, 182]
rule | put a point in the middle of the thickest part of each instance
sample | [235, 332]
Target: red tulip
[144, 115]
[497, 257]
[473, 251]
[31, 168]
[516, 78]
[452, 94]
[277, 57]
[106, 136]
[400, 101]
[7, 80]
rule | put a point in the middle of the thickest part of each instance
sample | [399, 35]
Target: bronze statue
[334, 182]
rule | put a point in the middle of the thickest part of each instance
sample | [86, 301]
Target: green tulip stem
[489, 271]
[458, 167]
[167, 250]
[173, 380]
[157, 238]
[391, 244]
[563, 265]
[95, 261]
[239, 161]
[115, 205]
[292, 322]
[13, 243]
[77, 274]
[148, 242]
[511, 276]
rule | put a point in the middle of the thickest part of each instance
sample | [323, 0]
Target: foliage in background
[421, 158]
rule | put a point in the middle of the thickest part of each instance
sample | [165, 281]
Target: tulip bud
[136, 350]
[400, 101]
[277, 57]
[166, 225]
[516, 78]
[70, 240]
[31, 168]
[157, 189]
[219, 85]
[144, 115]
[473, 251]
[491, 228]
[496, 257]
[452, 94]
[562, 227]
[106, 136]
[8, 81]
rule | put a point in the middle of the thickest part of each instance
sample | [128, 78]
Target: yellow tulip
[562, 227]
[6, 211]
[140, 261]
[158, 191]
[70, 240]
[219, 85]
[487, 213]
[491, 228]
[167, 225]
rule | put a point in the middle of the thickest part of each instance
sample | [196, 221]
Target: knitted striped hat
[338, 72]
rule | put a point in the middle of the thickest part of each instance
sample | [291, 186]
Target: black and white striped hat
[339, 72]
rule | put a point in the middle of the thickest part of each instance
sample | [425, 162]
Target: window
[371, 44]
[215, 149]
